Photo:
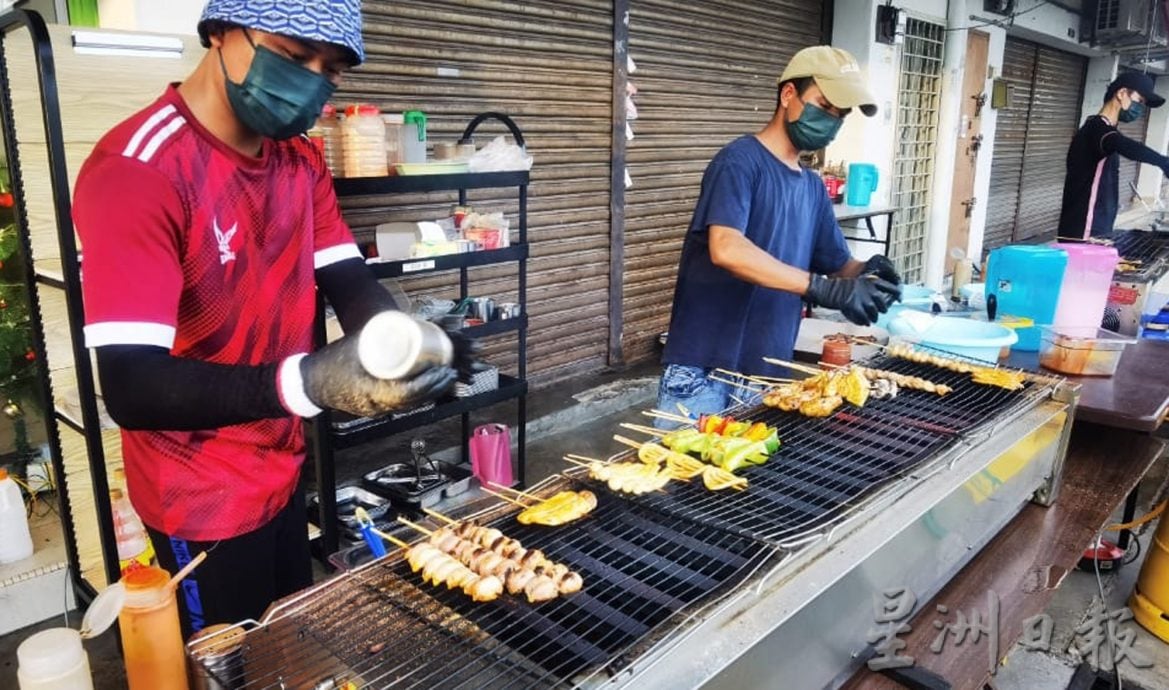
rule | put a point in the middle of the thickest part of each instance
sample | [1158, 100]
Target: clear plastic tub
[1082, 355]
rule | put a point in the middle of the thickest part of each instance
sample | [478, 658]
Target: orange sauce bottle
[152, 640]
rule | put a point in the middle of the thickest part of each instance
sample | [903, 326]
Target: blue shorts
[697, 394]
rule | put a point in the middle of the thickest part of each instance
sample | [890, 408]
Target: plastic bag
[491, 454]
[498, 155]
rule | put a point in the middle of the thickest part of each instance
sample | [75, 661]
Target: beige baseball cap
[836, 73]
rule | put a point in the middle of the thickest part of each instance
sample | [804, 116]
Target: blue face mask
[815, 128]
[278, 98]
[1133, 112]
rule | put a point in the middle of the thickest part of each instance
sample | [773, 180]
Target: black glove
[861, 300]
[466, 352]
[882, 267]
[334, 378]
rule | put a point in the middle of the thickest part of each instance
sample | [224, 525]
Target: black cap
[1135, 81]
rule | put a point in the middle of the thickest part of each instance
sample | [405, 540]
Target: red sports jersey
[192, 246]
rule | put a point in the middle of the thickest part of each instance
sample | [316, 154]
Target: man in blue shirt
[764, 236]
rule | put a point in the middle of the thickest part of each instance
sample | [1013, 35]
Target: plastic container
[133, 542]
[961, 336]
[490, 447]
[152, 641]
[1084, 291]
[15, 539]
[53, 660]
[1025, 282]
[393, 122]
[329, 126]
[394, 345]
[363, 136]
[1078, 355]
[862, 182]
[413, 136]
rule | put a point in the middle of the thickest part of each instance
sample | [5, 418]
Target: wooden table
[845, 213]
[1136, 398]
[1025, 562]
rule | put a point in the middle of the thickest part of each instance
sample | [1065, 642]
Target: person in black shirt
[1091, 189]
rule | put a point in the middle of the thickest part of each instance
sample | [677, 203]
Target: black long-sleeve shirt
[1091, 189]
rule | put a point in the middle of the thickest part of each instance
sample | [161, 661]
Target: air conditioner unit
[1120, 22]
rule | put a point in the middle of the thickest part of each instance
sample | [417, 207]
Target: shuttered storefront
[706, 73]
[1031, 142]
[548, 65]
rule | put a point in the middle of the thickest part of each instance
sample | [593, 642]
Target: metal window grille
[917, 133]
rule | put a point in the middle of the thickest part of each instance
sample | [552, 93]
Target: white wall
[872, 139]
[159, 16]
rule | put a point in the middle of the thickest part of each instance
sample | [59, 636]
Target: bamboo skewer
[174, 581]
[390, 538]
[579, 463]
[627, 441]
[792, 365]
[440, 516]
[505, 497]
[641, 428]
[525, 494]
[420, 528]
[667, 416]
[581, 458]
[736, 384]
[770, 380]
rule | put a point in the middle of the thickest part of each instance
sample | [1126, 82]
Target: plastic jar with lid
[152, 640]
[363, 137]
[53, 660]
[15, 538]
[329, 125]
[394, 123]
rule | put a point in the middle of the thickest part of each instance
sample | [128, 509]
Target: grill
[379, 626]
[1151, 249]
[826, 466]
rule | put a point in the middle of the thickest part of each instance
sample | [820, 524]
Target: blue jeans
[691, 388]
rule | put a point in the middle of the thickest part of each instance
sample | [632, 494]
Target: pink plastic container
[1085, 287]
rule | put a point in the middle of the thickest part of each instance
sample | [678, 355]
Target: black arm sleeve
[146, 388]
[1115, 142]
[354, 292]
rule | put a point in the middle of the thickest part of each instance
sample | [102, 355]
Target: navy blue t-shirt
[720, 320]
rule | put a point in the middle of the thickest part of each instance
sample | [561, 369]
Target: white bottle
[15, 539]
[53, 660]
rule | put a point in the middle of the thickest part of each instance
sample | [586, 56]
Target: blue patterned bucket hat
[330, 21]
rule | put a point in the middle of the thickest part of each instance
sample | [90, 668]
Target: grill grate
[643, 573]
[1149, 248]
[827, 465]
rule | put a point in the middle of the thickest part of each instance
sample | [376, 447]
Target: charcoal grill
[827, 466]
[380, 626]
[690, 588]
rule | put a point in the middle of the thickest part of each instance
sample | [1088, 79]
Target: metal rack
[334, 431]
[89, 425]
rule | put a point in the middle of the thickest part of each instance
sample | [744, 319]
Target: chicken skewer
[567, 580]
[534, 582]
[991, 376]
[440, 568]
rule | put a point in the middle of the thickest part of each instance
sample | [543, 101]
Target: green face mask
[815, 128]
[1133, 112]
[278, 98]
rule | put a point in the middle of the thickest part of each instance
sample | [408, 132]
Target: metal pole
[617, 161]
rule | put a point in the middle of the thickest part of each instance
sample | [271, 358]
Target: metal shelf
[413, 267]
[408, 184]
[509, 389]
[486, 330]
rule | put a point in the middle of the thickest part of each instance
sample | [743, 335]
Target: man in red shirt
[207, 223]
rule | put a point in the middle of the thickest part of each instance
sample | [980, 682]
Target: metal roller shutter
[548, 64]
[1054, 118]
[1006, 169]
[1031, 142]
[706, 73]
[1130, 170]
